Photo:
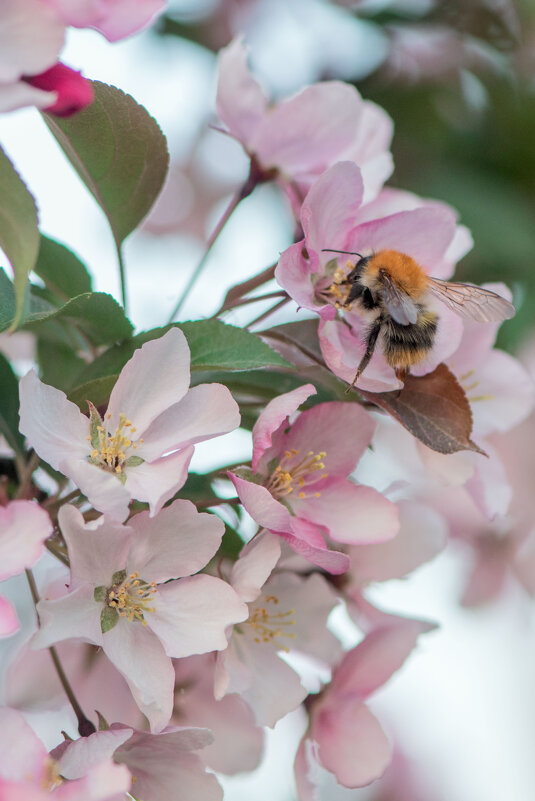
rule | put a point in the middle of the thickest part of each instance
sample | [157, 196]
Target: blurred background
[458, 79]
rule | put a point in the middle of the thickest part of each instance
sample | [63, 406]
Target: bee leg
[370, 347]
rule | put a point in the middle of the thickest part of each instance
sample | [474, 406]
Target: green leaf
[58, 362]
[100, 594]
[62, 272]
[231, 544]
[213, 345]
[19, 234]
[9, 407]
[98, 391]
[96, 314]
[119, 152]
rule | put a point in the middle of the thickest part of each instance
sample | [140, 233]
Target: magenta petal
[368, 666]
[424, 233]
[262, 506]
[272, 417]
[352, 514]
[240, 102]
[352, 743]
[9, 622]
[329, 209]
[294, 273]
[298, 135]
[306, 540]
[342, 430]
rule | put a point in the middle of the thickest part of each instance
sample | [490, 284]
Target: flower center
[337, 291]
[131, 596]
[297, 472]
[463, 380]
[110, 451]
[268, 624]
[50, 777]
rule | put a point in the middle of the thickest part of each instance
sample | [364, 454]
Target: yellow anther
[293, 471]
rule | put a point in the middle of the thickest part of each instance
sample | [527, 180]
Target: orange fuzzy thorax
[402, 269]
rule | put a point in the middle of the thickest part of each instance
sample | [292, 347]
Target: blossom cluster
[179, 646]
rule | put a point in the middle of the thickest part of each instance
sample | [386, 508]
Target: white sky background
[464, 705]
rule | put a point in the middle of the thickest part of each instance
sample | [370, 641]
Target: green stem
[85, 727]
[122, 276]
[267, 313]
[253, 179]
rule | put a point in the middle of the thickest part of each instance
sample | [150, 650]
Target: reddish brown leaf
[434, 408]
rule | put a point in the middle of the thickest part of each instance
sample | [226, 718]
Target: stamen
[131, 597]
[292, 471]
[268, 626]
[110, 451]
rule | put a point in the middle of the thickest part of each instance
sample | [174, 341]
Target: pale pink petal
[297, 135]
[75, 616]
[207, 411]
[306, 540]
[461, 244]
[20, 94]
[273, 689]
[274, 415]
[422, 535]
[96, 550]
[31, 37]
[372, 136]
[138, 654]
[191, 615]
[352, 514]
[342, 430]
[103, 490]
[241, 103]
[486, 579]
[352, 743]
[424, 233]
[24, 526]
[115, 19]
[307, 770]
[9, 622]
[257, 559]
[374, 173]
[156, 377]
[156, 482]
[177, 542]
[368, 666]
[501, 393]
[330, 207]
[54, 426]
[343, 350]
[489, 485]
[262, 506]
[78, 756]
[22, 753]
[308, 600]
[294, 273]
[104, 782]
[164, 763]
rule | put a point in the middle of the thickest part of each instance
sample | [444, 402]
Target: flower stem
[267, 313]
[244, 301]
[85, 727]
[252, 180]
[122, 276]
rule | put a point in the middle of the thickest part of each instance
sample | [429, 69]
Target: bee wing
[471, 301]
[400, 306]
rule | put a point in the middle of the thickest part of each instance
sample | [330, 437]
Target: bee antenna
[347, 252]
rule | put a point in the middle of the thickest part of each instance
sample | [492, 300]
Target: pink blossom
[344, 737]
[287, 614]
[24, 527]
[142, 446]
[299, 486]
[114, 19]
[28, 773]
[32, 34]
[132, 592]
[333, 217]
[295, 140]
[500, 390]
[238, 742]
[161, 764]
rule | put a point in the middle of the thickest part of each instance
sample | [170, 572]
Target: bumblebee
[393, 292]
